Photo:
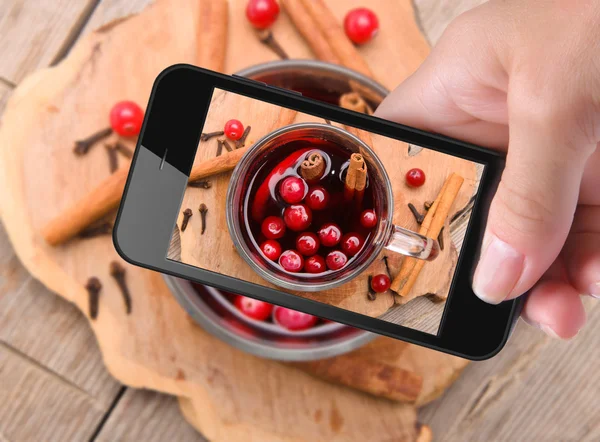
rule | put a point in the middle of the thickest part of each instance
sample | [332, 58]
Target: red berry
[336, 260]
[271, 249]
[273, 227]
[315, 264]
[361, 25]
[253, 308]
[297, 217]
[415, 177]
[317, 198]
[368, 219]
[292, 319]
[262, 13]
[292, 189]
[307, 243]
[126, 118]
[291, 261]
[234, 129]
[352, 243]
[330, 234]
[380, 283]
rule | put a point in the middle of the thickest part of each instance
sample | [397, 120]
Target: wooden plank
[109, 10]
[148, 416]
[34, 33]
[5, 91]
[434, 16]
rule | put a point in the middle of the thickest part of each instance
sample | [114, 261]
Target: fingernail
[498, 270]
[595, 290]
[548, 330]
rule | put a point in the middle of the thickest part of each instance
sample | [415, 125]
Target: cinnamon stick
[313, 167]
[431, 226]
[325, 36]
[355, 171]
[355, 102]
[106, 197]
[211, 37]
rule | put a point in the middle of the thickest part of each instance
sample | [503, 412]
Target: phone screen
[326, 212]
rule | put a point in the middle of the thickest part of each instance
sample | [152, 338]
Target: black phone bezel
[162, 162]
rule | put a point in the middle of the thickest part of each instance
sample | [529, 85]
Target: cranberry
[317, 198]
[330, 234]
[352, 243]
[271, 249]
[415, 177]
[262, 13]
[361, 25]
[380, 283]
[234, 129]
[273, 227]
[315, 264]
[292, 319]
[292, 189]
[291, 261]
[307, 243]
[126, 118]
[336, 260]
[368, 219]
[297, 217]
[253, 308]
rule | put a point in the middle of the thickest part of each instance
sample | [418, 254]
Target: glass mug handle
[409, 243]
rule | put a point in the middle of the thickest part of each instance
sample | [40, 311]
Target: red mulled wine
[303, 219]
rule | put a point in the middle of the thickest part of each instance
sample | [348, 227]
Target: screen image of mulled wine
[309, 209]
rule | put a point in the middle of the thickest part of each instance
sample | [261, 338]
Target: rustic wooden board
[436, 276]
[168, 353]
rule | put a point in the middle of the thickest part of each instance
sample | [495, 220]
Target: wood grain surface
[536, 389]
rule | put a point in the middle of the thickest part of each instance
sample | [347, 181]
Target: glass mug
[322, 137]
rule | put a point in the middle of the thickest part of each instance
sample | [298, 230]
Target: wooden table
[53, 384]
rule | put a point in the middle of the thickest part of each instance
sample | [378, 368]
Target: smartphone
[264, 192]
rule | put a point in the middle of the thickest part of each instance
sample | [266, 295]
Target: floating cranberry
[368, 219]
[317, 198]
[262, 13]
[291, 261]
[292, 319]
[273, 227]
[352, 243]
[307, 243]
[253, 308]
[292, 189]
[234, 129]
[336, 260]
[361, 25]
[415, 177]
[126, 118]
[271, 249]
[330, 234]
[315, 264]
[380, 283]
[297, 217]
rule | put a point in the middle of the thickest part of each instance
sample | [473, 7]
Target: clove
[94, 231]
[203, 209]
[428, 204]
[117, 271]
[327, 121]
[433, 297]
[124, 150]
[242, 141]
[113, 159]
[226, 145]
[187, 214]
[201, 184]
[440, 239]
[371, 293]
[83, 146]
[387, 267]
[209, 135]
[93, 287]
[266, 37]
[418, 217]
[219, 147]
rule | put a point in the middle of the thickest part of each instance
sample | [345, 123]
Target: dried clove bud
[83, 146]
[428, 204]
[93, 287]
[418, 217]
[124, 150]
[226, 145]
[242, 141]
[219, 147]
[440, 239]
[202, 184]
[113, 160]
[203, 209]
[387, 267]
[209, 135]
[266, 37]
[117, 271]
[187, 214]
[371, 293]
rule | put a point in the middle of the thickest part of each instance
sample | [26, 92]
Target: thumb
[533, 208]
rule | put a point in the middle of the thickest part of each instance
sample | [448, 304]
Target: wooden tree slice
[225, 393]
